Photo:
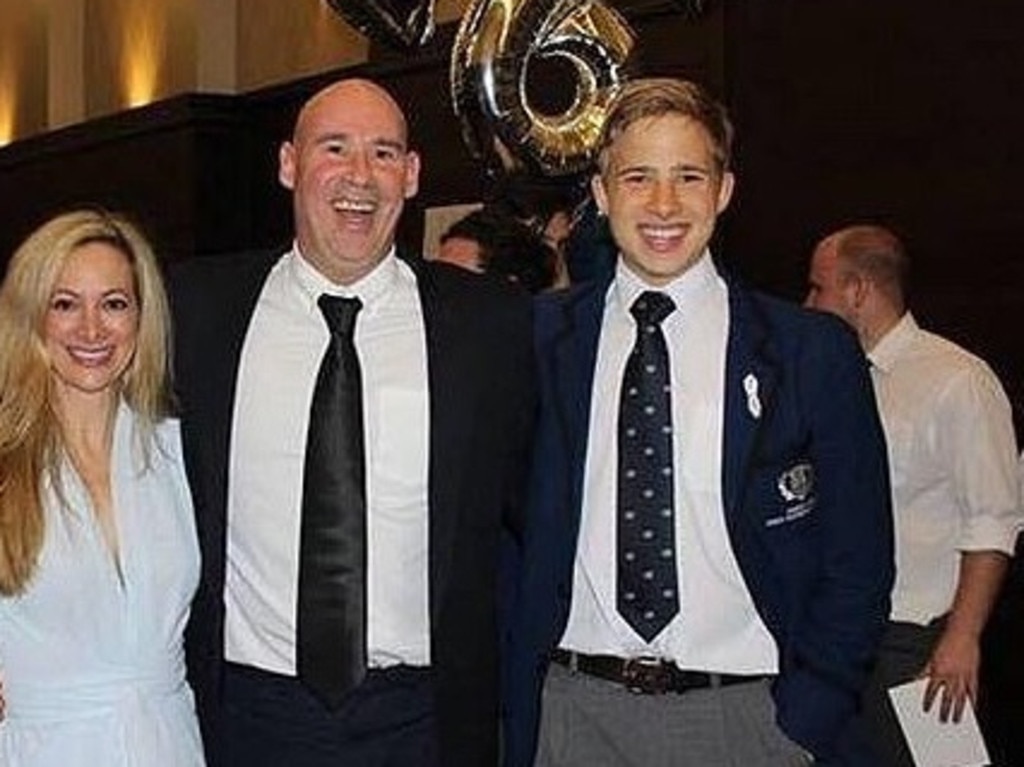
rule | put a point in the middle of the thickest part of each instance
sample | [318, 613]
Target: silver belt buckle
[646, 675]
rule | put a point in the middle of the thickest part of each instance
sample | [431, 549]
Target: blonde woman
[98, 556]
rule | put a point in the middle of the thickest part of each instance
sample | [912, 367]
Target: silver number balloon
[495, 44]
[401, 23]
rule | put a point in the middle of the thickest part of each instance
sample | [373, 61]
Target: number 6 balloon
[495, 43]
[494, 46]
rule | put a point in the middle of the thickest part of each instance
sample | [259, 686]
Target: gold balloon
[494, 46]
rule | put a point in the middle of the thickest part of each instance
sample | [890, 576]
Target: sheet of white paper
[934, 743]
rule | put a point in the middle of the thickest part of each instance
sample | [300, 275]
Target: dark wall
[176, 166]
[902, 112]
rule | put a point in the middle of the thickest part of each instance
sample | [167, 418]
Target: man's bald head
[353, 91]
[859, 273]
[876, 253]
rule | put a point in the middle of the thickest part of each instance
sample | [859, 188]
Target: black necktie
[647, 589]
[331, 626]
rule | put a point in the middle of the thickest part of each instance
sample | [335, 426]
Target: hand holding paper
[936, 743]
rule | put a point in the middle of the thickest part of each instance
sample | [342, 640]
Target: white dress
[92, 659]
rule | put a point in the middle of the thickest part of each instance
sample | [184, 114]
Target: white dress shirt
[283, 348]
[953, 461]
[717, 627]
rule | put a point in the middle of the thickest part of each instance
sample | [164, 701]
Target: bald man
[420, 639]
[952, 457]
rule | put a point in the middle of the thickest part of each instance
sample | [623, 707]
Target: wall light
[8, 92]
[6, 119]
[143, 46]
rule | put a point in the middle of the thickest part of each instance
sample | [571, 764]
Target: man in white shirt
[952, 455]
[708, 555]
[432, 455]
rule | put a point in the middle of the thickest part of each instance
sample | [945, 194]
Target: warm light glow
[143, 50]
[8, 97]
[6, 121]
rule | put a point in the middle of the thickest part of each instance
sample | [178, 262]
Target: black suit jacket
[480, 369]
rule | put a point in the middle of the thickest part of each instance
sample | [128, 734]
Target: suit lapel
[751, 380]
[448, 369]
[224, 365]
[233, 301]
[570, 370]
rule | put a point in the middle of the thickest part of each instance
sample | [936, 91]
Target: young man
[708, 555]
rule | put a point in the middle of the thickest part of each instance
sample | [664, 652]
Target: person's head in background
[859, 273]
[491, 241]
[549, 207]
[663, 175]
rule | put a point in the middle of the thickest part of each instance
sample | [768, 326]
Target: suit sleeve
[833, 634]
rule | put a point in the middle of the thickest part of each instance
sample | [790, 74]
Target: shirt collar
[890, 346]
[683, 290]
[369, 289]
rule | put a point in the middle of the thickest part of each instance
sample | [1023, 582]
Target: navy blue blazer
[816, 554]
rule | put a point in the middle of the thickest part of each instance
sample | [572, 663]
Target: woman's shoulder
[167, 435]
[157, 441]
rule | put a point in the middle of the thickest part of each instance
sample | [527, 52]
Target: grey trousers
[589, 722]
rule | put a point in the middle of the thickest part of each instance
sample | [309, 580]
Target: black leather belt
[647, 676]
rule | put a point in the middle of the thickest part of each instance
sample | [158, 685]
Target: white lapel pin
[753, 401]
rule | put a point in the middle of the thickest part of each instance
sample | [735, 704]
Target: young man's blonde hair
[657, 97]
[30, 436]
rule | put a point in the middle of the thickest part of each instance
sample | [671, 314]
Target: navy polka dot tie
[647, 586]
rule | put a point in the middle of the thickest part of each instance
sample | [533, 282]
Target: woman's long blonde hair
[30, 436]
